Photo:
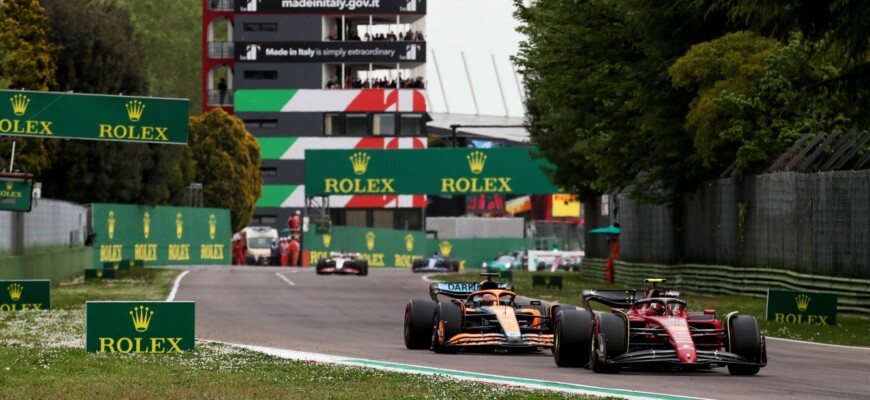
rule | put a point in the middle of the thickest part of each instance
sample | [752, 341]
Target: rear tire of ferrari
[571, 338]
[609, 339]
[321, 264]
[449, 317]
[363, 267]
[745, 339]
[418, 324]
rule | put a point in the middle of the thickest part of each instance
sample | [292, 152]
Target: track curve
[361, 317]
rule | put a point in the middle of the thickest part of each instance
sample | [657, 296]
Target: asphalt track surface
[362, 317]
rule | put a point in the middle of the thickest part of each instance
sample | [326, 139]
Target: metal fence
[49, 223]
[815, 223]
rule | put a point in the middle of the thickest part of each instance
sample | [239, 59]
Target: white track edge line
[175, 285]
[289, 282]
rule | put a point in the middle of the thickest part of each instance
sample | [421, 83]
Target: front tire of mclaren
[446, 324]
[571, 338]
[418, 324]
[745, 337]
[609, 339]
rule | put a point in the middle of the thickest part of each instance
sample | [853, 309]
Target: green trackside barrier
[123, 265]
[550, 282]
[54, 264]
[99, 273]
[853, 295]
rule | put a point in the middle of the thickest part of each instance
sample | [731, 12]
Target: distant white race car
[343, 264]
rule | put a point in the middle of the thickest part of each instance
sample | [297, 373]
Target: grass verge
[851, 330]
[42, 356]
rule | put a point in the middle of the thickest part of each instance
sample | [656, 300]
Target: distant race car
[435, 264]
[481, 315]
[503, 262]
[652, 329]
[343, 264]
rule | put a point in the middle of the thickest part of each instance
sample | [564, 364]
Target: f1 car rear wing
[458, 290]
[612, 298]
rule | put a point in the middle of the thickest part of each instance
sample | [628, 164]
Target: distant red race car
[653, 329]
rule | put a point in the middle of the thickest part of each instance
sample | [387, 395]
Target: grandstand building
[320, 74]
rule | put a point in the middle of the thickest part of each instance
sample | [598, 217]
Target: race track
[362, 317]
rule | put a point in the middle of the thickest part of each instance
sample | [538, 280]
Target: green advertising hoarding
[161, 235]
[398, 248]
[801, 307]
[509, 170]
[100, 273]
[25, 294]
[93, 117]
[140, 326]
[15, 194]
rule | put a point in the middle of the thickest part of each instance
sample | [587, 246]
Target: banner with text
[26, 294]
[93, 117]
[330, 7]
[140, 326]
[317, 52]
[15, 194]
[161, 235]
[508, 170]
[799, 307]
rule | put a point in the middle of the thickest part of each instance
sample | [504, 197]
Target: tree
[227, 164]
[92, 59]
[26, 63]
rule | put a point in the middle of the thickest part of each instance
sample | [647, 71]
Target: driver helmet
[657, 309]
[488, 300]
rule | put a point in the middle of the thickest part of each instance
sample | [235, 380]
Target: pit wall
[54, 264]
[398, 248]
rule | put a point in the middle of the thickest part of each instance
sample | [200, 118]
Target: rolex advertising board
[160, 235]
[319, 7]
[140, 326]
[26, 294]
[801, 307]
[93, 117]
[317, 52]
[15, 194]
[509, 170]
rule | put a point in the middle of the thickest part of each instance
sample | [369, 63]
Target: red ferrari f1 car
[653, 329]
[481, 315]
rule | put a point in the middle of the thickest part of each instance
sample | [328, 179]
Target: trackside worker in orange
[284, 248]
[294, 252]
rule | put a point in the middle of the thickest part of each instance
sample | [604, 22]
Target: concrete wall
[49, 223]
[461, 228]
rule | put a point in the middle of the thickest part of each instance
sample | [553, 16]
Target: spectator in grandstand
[332, 35]
[332, 83]
[419, 36]
[409, 35]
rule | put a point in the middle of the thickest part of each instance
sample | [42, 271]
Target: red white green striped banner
[293, 196]
[293, 148]
[315, 100]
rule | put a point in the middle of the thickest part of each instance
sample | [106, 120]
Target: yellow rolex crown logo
[409, 242]
[360, 162]
[327, 238]
[19, 104]
[141, 318]
[803, 301]
[445, 248]
[212, 226]
[179, 225]
[146, 224]
[135, 109]
[9, 185]
[15, 291]
[370, 240]
[111, 221]
[476, 159]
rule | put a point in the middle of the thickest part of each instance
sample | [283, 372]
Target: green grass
[852, 330]
[42, 356]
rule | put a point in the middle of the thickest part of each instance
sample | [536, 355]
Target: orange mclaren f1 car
[481, 315]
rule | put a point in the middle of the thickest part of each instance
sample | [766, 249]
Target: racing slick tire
[418, 324]
[417, 265]
[745, 341]
[454, 265]
[609, 339]
[363, 267]
[554, 312]
[571, 338]
[446, 324]
[321, 264]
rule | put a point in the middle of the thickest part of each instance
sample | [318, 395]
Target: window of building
[383, 218]
[263, 219]
[332, 124]
[384, 124]
[261, 123]
[260, 27]
[261, 75]
[268, 171]
[357, 124]
[355, 217]
[409, 219]
[412, 124]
